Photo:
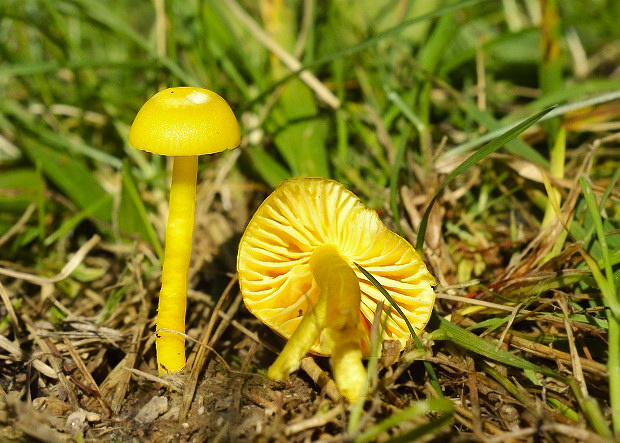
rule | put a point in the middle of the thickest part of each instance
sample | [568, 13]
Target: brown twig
[321, 378]
[88, 376]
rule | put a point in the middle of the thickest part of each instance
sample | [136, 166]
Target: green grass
[441, 115]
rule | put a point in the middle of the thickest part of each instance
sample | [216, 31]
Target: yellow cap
[185, 121]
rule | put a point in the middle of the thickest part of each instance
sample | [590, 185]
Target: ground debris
[153, 409]
[22, 420]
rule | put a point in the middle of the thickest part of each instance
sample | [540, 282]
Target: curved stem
[349, 371]
[178, 249]
[336, 311]
[300, 342]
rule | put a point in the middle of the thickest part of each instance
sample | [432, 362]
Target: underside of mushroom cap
[185, 121]
[304, 213]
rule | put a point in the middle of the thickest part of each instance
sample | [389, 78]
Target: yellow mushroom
[182, 122]
[297, 273]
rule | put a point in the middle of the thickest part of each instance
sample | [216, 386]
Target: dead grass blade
[168, 381]
[65, 272]
[88, 376]
[287, 59]
[202, 352]
[4, 295]
[320, 419]
[321, 378]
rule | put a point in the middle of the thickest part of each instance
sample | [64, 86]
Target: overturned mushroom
[297, 273]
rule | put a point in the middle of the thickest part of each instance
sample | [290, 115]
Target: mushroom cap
[185, 121]
[303, 213]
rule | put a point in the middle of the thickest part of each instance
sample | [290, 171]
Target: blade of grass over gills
[416, 339]
[475, 158]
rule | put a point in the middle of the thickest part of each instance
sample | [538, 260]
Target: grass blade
[475, 158]
[416, 339]
[556, 112]
[471, 342]
[600, 232]
[444, 406]
[359, 47]
[608, 288]
[449, 331]
[68, 226]
[133, 216]
[72, 176]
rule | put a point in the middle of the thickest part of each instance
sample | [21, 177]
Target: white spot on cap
[197, 97]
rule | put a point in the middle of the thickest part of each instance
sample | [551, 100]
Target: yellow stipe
[349, 371]
[337, 313]
[300, 342]
[339, 284]
[173, 294]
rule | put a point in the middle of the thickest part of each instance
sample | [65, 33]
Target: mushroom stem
[178, 249]
[337, 313]
[349, 371]
[300, 342]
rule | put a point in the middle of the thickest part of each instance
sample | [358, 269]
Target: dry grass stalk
[314, 422]
[287, 59]
[75, 261]
[138, 332]
[88, 376]
[170, 382]
[48, 348]
[6, 299]
[28, 420]
[321, 378]
[202, 352]
[19, 224]
[575, 360]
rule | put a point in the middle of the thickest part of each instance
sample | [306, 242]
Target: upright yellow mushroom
[182, 122]
[297, 273]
